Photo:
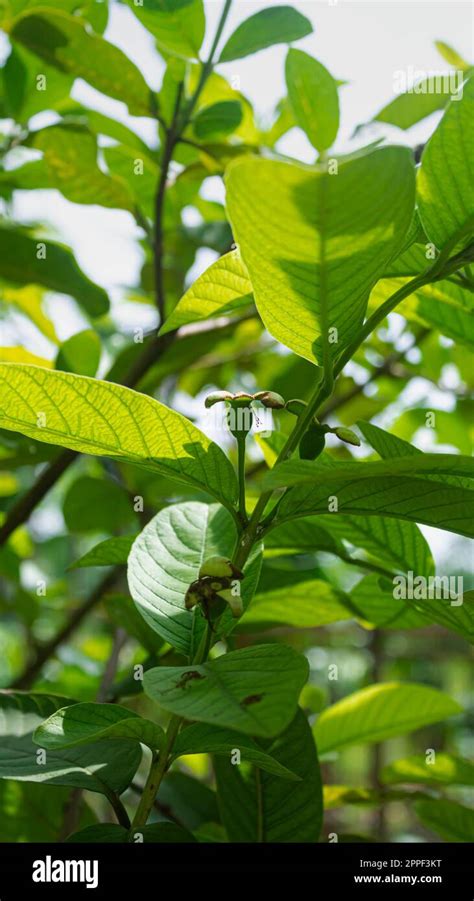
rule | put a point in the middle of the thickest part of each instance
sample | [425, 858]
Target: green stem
[160, 761]
[159, 765]
[241, 477]
[208, 65]
[119, 809]
[250, 534]
[433, 274]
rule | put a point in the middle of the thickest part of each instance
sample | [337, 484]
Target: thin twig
[45, 651]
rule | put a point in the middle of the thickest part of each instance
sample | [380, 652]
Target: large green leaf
[304, 535]
[312, 92]
[452, 821]
[379, 601]
[402, 488]
[97, 767]
[80, 724]
[165, 559]
[177, 25]
[379, 712]
[259, 806]
[201, 738]
[26, 260]
[374, 599]
[63, 41]
[70, 157]
[411, 542]
[275, 25]
[315, 243]
[444, 769]
[445, 181]
[105, 419]
[295, 599]
[254, 690]
[223, 288]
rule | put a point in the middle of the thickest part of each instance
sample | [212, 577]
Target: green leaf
[254, 690]
[111, 552]
[275, 25]
[410, 541]
[31, 812]
[104, 419]
[192, 802]
[451, 56]
[70, 157]
[95, 767]
[394, 488]
[22, 97]
[103, 833]
[81, 724]
[446, 306]
[290, 812]
[409, 108]
[218, 119]
[177, 25]
[29, 301]
[452, 821]
[138, 171]
[222, 289]
[293, 599]
[165, 559]
[97, 505]
[80, 353]
[312, 92]
[292, 225]
[379, 712]
[304, 535]
[110, 833]
[200, 738]
[27, 260]
[445, 194]
[382, 609]
[122, 611]
[445, 769]
[63, 41]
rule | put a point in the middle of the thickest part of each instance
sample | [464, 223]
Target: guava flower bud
[270, 399]
[217, 397]
[347, 435]
[220, 567]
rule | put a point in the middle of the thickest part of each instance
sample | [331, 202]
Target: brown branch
[46, 650]
[120, 637]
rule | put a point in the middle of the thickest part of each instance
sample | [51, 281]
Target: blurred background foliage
[64, 318]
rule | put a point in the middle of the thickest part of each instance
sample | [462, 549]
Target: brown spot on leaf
[188, 677]
[251, 699]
